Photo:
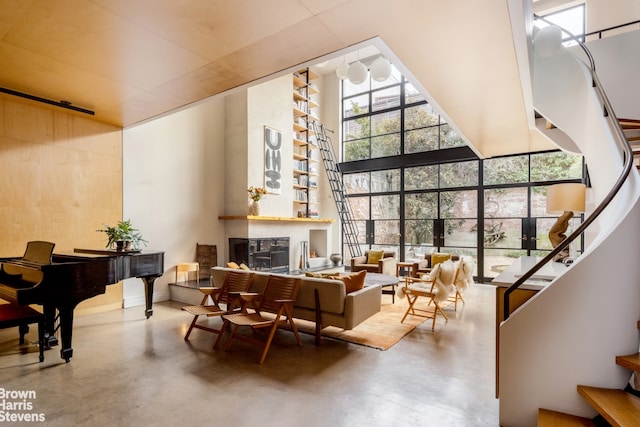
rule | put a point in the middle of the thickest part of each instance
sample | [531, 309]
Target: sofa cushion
[232, 265]
[331, 293]
[374, 256]
[354, 281]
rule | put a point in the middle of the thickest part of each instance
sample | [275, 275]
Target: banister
[628, 162]
[615, 27]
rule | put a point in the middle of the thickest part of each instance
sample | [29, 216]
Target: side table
[405, 267]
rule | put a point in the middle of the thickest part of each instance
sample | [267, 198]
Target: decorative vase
[335, 258]
[254, 208]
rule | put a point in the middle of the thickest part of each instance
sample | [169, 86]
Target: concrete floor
[130, 371]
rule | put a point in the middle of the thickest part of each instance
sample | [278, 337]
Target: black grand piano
[59, 282]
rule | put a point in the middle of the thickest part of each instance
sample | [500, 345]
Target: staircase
[617, 407]
[349, 229]
[631, 130]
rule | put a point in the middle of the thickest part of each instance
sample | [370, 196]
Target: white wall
[330, 106]
[270, 104]
[173, 168]
[609, 53]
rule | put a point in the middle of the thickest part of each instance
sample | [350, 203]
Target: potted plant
[123, 235]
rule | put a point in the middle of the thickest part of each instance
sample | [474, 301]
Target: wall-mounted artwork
[272, 160]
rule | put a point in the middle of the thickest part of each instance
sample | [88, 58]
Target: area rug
[382, 330]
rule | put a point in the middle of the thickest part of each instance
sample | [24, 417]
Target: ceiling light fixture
[341, 71]
[357, 73]
[380, 69]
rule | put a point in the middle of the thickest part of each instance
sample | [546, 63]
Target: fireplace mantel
[273, 218]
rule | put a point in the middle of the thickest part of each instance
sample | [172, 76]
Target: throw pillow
[375, 256]
[355, 281]
[245, 267]
[438, 257]
[316, 275]
[321, 275]
[232, 265]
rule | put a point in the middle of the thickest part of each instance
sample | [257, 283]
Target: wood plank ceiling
[131, 60]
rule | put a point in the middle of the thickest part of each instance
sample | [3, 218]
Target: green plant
[123, 231]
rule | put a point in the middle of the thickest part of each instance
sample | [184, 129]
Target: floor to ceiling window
[415, 187]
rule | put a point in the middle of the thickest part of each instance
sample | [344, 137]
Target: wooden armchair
[234, 281]
[372, 262]
[272, 310]
[435, 287]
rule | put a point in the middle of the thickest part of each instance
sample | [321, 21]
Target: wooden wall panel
[60, 180]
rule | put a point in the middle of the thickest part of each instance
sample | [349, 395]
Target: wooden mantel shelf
[272, 218]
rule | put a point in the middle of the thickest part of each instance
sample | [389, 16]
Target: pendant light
[380, 69]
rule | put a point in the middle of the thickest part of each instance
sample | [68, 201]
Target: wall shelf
[272, 218]
[304, 113]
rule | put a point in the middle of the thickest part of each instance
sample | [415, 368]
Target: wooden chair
[437, 286]
[234, 282]
[272, 310]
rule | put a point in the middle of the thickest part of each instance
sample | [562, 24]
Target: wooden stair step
[629, 123]
[618, 407]
[549, 418]
[631, 361]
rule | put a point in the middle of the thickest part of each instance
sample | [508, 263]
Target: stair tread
[630, 361]
[629, 123]
[549, 418]
[617, 406]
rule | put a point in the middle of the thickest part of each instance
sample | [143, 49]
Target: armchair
[368, 262]
[431, 260]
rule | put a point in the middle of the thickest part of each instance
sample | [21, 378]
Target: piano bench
[12, 315]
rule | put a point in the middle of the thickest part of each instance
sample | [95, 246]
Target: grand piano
[59, 282]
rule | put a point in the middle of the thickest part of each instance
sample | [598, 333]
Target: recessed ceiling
[133, 60]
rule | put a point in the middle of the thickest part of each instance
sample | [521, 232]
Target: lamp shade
[380, 69]
[566, 197]
[357, 73]
[341, 71]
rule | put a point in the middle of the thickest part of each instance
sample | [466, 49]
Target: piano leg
[66, 330]
[50, 339]
[148, 293]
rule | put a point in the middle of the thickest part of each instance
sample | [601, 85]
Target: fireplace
[261, 254]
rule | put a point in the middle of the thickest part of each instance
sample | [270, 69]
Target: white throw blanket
[446, 282]
[442, 276]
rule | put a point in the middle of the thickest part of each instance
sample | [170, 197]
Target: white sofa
[337, 308]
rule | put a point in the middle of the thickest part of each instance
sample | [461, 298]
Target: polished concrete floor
[130, 371]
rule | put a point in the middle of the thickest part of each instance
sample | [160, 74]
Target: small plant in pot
[123, 236]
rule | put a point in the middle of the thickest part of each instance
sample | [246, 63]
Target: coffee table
[384, 281]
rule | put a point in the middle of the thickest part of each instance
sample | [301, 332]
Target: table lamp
[567, 199]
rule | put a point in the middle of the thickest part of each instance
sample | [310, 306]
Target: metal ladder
[349, 229]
